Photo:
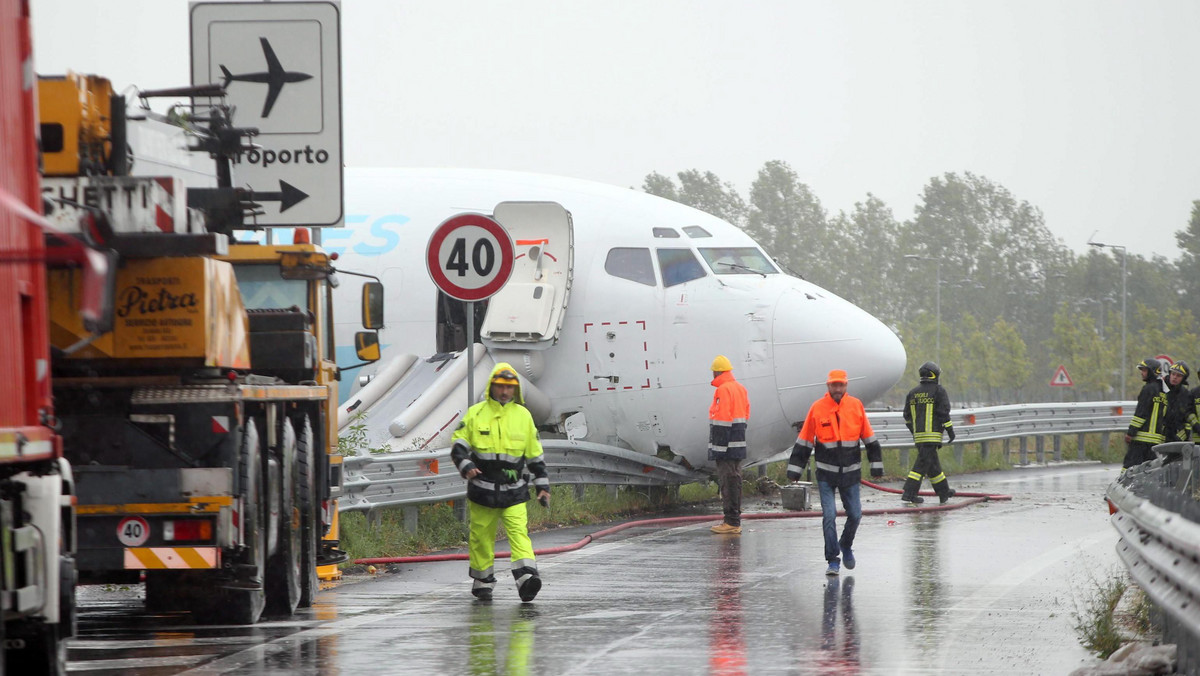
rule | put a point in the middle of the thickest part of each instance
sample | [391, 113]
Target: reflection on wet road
[987, 589]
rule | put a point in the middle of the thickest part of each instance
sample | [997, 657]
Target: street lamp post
[937, 301]
[1121, 361]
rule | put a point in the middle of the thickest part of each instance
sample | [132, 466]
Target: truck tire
[306, 464]
[241, 600]
[283, 570]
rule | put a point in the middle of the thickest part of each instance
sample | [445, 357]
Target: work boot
[912, 499]
[482, 589]
[911, 486]
[528, 588]
[725, 529]
[945, 497]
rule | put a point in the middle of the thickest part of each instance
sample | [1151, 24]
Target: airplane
[275, 76]
[616, 307]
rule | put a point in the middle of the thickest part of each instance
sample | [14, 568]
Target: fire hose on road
[971, 499]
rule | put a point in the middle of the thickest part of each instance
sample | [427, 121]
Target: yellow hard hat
[505, 377]
[721, 363]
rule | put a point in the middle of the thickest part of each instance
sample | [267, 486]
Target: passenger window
[668, 233]
[632, 264]
[695, 231]
[679, 266]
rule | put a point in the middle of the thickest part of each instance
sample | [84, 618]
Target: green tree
[1009, 369]
[1188, 264]
[700, 190]
[789, 221]
[865, 264]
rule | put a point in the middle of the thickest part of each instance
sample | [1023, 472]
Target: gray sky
[1087, 109]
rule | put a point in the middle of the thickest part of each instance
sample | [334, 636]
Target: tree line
[1015, 301]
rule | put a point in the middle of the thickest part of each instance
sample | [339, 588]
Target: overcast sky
[1087, 109]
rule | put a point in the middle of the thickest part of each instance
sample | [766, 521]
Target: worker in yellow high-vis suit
[493, 446]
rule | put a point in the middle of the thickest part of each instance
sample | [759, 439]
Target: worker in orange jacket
[728, 416]
[835, 425]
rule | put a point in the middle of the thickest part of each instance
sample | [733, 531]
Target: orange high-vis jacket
[728, 417]
[834, 431]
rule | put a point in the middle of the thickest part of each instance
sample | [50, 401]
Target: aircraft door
[528, 312]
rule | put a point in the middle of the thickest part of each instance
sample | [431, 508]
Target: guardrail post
[959, 449]
[904, 463]
[374, 518]
[1024, 442]
[1079, 450]
[1104, 442]
[459, 507]
[613, 491]
[1007, 449]
[1057, 448]
[983, 450]
[1040, 446]
[580, 490]
[410, 519]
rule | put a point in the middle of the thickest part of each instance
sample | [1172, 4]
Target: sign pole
[470, 353]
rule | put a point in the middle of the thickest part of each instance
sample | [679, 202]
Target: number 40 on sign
[470, 257]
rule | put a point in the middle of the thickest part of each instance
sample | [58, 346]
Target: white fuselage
[633, 357]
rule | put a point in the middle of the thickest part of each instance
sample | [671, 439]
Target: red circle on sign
[133, 531]
[466, 256]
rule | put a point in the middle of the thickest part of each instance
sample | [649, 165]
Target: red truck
[37, 517]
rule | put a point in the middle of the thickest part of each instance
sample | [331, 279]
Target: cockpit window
[669, 233]
[630, 263]
[679, 266]
[696, 231]
[738, 260]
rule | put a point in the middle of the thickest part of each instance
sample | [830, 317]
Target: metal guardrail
[1159, 525]
[419, 477]
[428, 475]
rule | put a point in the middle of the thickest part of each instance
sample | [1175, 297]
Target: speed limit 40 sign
[470, 257]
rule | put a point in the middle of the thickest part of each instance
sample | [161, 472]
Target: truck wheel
[241, 600]
[283, 571]
[309, 533]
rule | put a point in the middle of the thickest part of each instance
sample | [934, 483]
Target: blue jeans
[850, 502]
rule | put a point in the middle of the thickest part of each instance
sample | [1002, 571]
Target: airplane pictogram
[274, 77]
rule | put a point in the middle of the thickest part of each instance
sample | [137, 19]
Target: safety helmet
[1152, 367]
[1181, 368]
[837, 376]
[721, 363]
[929, 372]
[505, 377]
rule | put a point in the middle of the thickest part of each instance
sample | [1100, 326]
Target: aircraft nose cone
[814, 332]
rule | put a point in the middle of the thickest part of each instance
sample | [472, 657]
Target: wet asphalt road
[988, 589]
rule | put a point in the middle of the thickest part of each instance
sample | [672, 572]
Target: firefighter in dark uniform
[927, 416]
[1149, 418]
[494, 444]
[1180, 407]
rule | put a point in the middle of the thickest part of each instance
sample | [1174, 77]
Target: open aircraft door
[528, 313]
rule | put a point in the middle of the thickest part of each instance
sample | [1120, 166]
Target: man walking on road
[492, 446]
[927, 415]
[728, 417]
[835, 425]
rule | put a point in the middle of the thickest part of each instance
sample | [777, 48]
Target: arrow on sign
[288, 196]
